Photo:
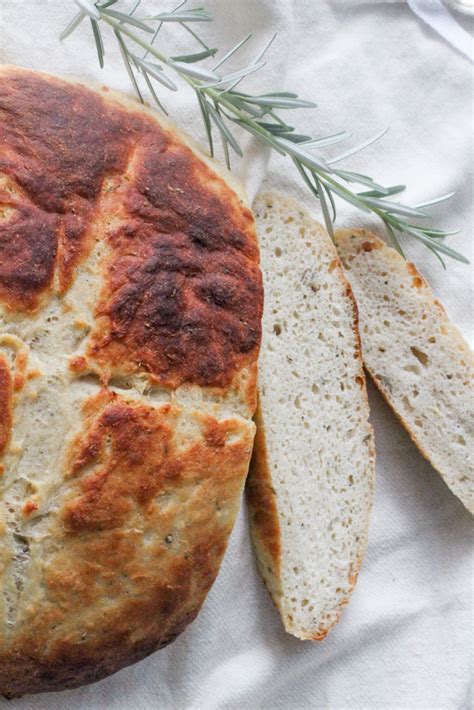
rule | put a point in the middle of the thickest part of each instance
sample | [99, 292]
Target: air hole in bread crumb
[277, 329]
[278, 251]
[432, 339]
[420, 356]
[461, 440]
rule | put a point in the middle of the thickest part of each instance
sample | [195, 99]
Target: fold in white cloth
[438, 17]
[404, 641]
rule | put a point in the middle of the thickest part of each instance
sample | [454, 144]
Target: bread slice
[417, 357]
[312, 475]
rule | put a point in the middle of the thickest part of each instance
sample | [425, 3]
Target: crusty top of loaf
[181, 294]
[130, 305]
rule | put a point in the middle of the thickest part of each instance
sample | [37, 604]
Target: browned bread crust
[130, 307]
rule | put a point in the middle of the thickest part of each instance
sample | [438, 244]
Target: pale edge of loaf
[311, 480]
[417, 358]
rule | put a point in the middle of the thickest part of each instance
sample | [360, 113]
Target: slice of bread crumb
[311, 482]
[416, 356]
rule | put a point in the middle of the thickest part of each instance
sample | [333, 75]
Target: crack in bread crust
[130, 307]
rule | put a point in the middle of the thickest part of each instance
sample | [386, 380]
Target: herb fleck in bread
[417, 357]
[312, 474]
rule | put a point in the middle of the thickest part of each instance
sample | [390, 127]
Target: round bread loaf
[130, 308]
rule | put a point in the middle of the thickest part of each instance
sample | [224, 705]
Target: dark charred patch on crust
[182, 293]
[28, 248]
[183, 318]
[60, 142]
[63, 138]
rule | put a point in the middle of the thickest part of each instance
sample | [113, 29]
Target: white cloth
[464, 6]
[436, 15]
[404, 640]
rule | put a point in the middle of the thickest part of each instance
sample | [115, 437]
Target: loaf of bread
[130, 308]
[311, 479]
[416, 356]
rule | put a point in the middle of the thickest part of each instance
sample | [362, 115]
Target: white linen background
[405, 639]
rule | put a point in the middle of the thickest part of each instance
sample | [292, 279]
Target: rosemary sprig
[223, 107]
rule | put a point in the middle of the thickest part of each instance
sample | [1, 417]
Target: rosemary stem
[219, 104]
[194, 83]
[120, 27]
